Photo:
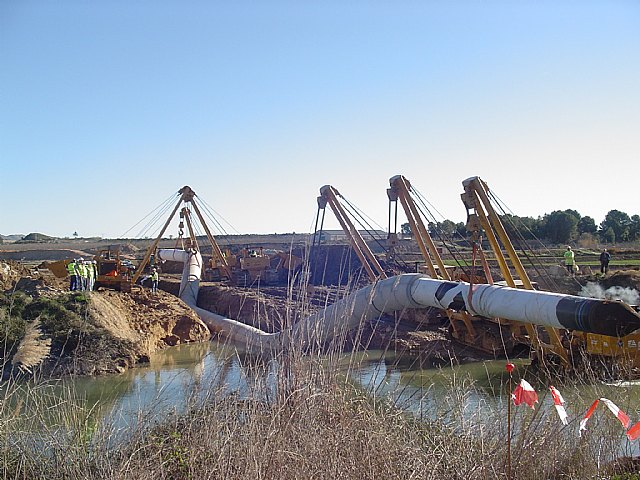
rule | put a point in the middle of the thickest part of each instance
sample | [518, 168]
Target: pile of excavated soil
[137, 325]
[10, 274]
[270, 313]
[154, 321]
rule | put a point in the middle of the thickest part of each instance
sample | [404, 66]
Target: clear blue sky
[107, 108]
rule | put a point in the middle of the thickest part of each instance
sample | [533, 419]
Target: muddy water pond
[184, 375]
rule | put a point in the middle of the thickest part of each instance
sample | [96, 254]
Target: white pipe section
[385, 296]
[413, 291]
[491, 301]
[245, 336]
[613, 318]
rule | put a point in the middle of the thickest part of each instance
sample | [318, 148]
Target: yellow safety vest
[568, 257]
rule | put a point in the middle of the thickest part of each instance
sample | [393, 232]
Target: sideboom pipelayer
[497, 336]
[584, 331]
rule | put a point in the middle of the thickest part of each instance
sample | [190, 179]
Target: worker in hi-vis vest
[82, 274]
[569, 260]
[90, 275]
[154, 280]
[72, 269]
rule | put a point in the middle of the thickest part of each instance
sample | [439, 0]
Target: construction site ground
[151, 322]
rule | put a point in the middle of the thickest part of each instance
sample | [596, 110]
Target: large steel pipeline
[245, 337]
[407, 291]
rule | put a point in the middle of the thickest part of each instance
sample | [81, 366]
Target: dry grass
[308, 422]
[33, 348]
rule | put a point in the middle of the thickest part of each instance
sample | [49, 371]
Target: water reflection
[185, 375]
[176, 378]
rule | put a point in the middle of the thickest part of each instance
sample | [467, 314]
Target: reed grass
[310, 421]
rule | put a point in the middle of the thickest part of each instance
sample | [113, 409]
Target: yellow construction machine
[565, 344]
[249, 266]
[482, 218]
[491, 336]
[254, 266]
[113, 271]
[329, 195]
[218, 259]
[462, 324]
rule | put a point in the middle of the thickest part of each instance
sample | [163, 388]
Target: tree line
[560, 226]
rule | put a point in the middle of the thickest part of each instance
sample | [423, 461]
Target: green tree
[608, 236]
[619, 222]
[461, 229]
[447, 227]
[587, 225]
[561, 226]
[524, 227]
[634, 228]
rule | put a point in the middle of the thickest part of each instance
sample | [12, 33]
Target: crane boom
[400, 189]
[329, 195]
[187, 195]
[481, 216]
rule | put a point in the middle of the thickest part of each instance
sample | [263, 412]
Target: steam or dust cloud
[629, 296]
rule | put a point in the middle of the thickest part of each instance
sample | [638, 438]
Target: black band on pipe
[597, 316]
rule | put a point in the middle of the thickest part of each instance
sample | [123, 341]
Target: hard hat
[94, 262]
[81, 259]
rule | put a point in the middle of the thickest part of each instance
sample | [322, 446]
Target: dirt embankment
[117, 330]
[138, 324]
[153, 321]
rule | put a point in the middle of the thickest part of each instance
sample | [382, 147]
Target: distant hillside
[12, 238]
[36, 238]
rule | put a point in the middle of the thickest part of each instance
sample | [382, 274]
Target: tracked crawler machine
[572, 343]
[566, 340]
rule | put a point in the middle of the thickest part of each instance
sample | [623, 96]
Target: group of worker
[82, 274]
[572, 266]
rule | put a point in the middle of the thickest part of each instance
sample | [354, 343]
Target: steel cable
[448, 242]
[214, 215]
[169, 200]
[361, 219]
[527, 249]
[152, 224]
